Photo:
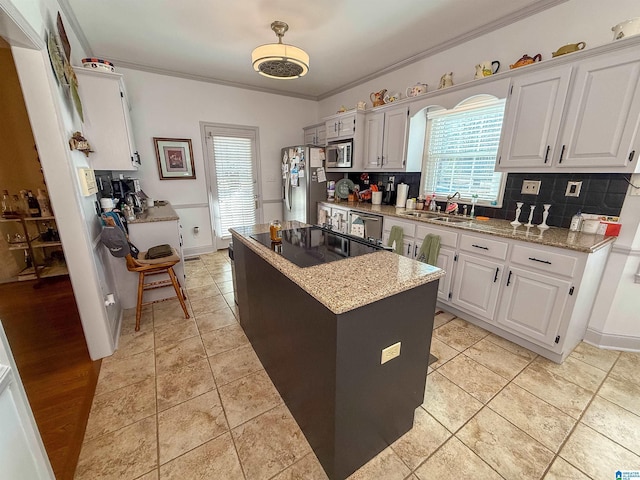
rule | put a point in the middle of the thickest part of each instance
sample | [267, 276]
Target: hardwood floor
[45, 334]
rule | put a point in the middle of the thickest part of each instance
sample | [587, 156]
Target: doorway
[233, 178]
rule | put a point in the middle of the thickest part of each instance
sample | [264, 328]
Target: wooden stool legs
[142, 286]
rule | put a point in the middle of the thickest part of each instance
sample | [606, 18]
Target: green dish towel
[430, 249]
[396, 235]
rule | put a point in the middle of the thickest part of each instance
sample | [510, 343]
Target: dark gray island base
[327, 366]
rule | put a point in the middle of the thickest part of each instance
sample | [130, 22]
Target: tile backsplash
[601, 193]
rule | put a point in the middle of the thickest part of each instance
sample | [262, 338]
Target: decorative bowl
[98, 64]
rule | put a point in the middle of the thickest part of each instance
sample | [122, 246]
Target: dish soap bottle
[576, 222]
[432, 203]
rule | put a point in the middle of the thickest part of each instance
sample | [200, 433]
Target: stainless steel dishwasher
[372, 225]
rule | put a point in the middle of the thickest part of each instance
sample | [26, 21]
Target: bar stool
[147, 267]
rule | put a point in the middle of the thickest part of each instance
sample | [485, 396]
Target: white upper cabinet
[601, 122]
[385, 139]
[532, 119]
[341, 126]
[107, 125]
[373, 135]
[315, 135]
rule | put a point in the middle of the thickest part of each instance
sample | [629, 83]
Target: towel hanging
[396, 239]
[430, 249]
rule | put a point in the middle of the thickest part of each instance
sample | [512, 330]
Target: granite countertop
[158, 213]
[347, 284]
[554, 236]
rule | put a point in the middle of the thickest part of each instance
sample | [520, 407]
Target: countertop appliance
[339, 154]
[372, 225]
[308, 246]
[303, 184]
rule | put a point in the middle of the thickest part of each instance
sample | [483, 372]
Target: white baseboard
[612, 342]
[195, 251]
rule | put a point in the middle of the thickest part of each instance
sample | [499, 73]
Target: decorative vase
[529, 224]
[516, 223]
[545, 214]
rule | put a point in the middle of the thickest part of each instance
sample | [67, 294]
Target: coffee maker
[389, 193]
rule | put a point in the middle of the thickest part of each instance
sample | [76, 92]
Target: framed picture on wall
[175, 158]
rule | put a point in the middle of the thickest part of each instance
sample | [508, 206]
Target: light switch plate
[389, 353]
[573, 189]
[530, 187]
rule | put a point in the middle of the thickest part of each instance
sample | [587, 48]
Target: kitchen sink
[450, 220]
[419, 214]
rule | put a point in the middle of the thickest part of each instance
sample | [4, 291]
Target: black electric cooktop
[308, 246]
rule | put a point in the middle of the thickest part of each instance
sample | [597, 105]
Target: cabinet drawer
[545, 261]
[484, 246]
[447, 237]
[408, 227]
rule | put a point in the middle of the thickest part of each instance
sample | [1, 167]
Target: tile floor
[189, 399]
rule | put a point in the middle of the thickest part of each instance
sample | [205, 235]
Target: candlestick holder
[545, 214]
[529, 224]
[515, 222]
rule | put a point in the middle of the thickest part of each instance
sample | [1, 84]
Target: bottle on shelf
[43, 202]
[17, 205]
[7, 204]
[27, 259]
[34, 207]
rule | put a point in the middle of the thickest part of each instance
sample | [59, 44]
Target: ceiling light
[277, 60]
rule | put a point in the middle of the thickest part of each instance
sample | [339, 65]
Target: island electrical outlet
[390, 352]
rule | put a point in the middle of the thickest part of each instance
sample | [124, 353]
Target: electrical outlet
[390, 353]
[573, 189]
[392, 179]
[634, 188]
[531, 187]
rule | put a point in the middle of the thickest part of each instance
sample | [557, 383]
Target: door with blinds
[233, 177]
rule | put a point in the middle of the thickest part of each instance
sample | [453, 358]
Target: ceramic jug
[571, 47]
[487, 68]
[417, 89]
[446, 80]
[378, 97]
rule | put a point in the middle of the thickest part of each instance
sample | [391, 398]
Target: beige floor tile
[221, 276]
[622, 392]
[234, 364]
[225, 287]
[496, 358]
[387, 464]
[596, 455]
[203, 292]
[215, 459]
[506, 448]
[415, 446]
[223, 339]
[118, 372]
[308, 468]
[512, 347]
[114, 410]
[152, 475]
[199, 280]
[184, 383]
[476, 380]
[180, 354]
[269, 443]
[575, 371]
[627, 367]
[448, 403]
[594, 356]
[442, 352]
[217, 319]
[441, 318]
[190, 424]
[121, 455]
[542, 421]
[129, 321]
[456, 460]
[561, 470]
[554, 389]
[207, 304]
[174, 332]
[248, 397]
[172, 312]
[136, 342]
[229, 299]
[194, 267]
[614, 422]
[459, 334]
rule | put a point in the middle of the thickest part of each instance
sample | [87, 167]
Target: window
[461, 149]
[233, 172]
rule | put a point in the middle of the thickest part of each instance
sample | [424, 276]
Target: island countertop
[347, 284]
[553, 237]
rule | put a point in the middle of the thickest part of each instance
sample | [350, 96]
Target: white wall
[173, 107]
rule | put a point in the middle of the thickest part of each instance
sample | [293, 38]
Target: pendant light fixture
[277, 60]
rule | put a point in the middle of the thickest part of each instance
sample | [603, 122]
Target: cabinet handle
[408, 249]
[631, 155]
[509, 279]
[495, 279]
[415, 250]
[480, 246]
[562, 153]
[541, 261]
[546, 155]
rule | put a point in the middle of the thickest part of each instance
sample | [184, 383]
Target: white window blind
[461, 150]
[235, 179]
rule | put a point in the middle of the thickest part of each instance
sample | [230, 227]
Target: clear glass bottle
[576, 222]
[7, 204]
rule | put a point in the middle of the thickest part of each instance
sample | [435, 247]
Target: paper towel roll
[403, 193]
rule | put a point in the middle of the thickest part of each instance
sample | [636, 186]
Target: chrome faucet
[449, 199]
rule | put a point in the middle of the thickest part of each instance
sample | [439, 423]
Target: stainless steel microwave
[339, 154]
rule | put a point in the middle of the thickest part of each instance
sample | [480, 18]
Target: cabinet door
[310, 136]
[394, 139]
[602, 118]
[373, 135]
[533, 304]
[347, 125]
[445, 261]
[331, 129]
[321, 135]
[324, 215]
[532, 119]
[476, 285]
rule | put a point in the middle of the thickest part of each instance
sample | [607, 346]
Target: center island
[346, 343]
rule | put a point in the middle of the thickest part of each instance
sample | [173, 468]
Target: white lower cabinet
[533, 305]
[446, 256]
[408, 229]
[476, 285]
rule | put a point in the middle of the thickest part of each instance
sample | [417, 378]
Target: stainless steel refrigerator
[304, 182]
